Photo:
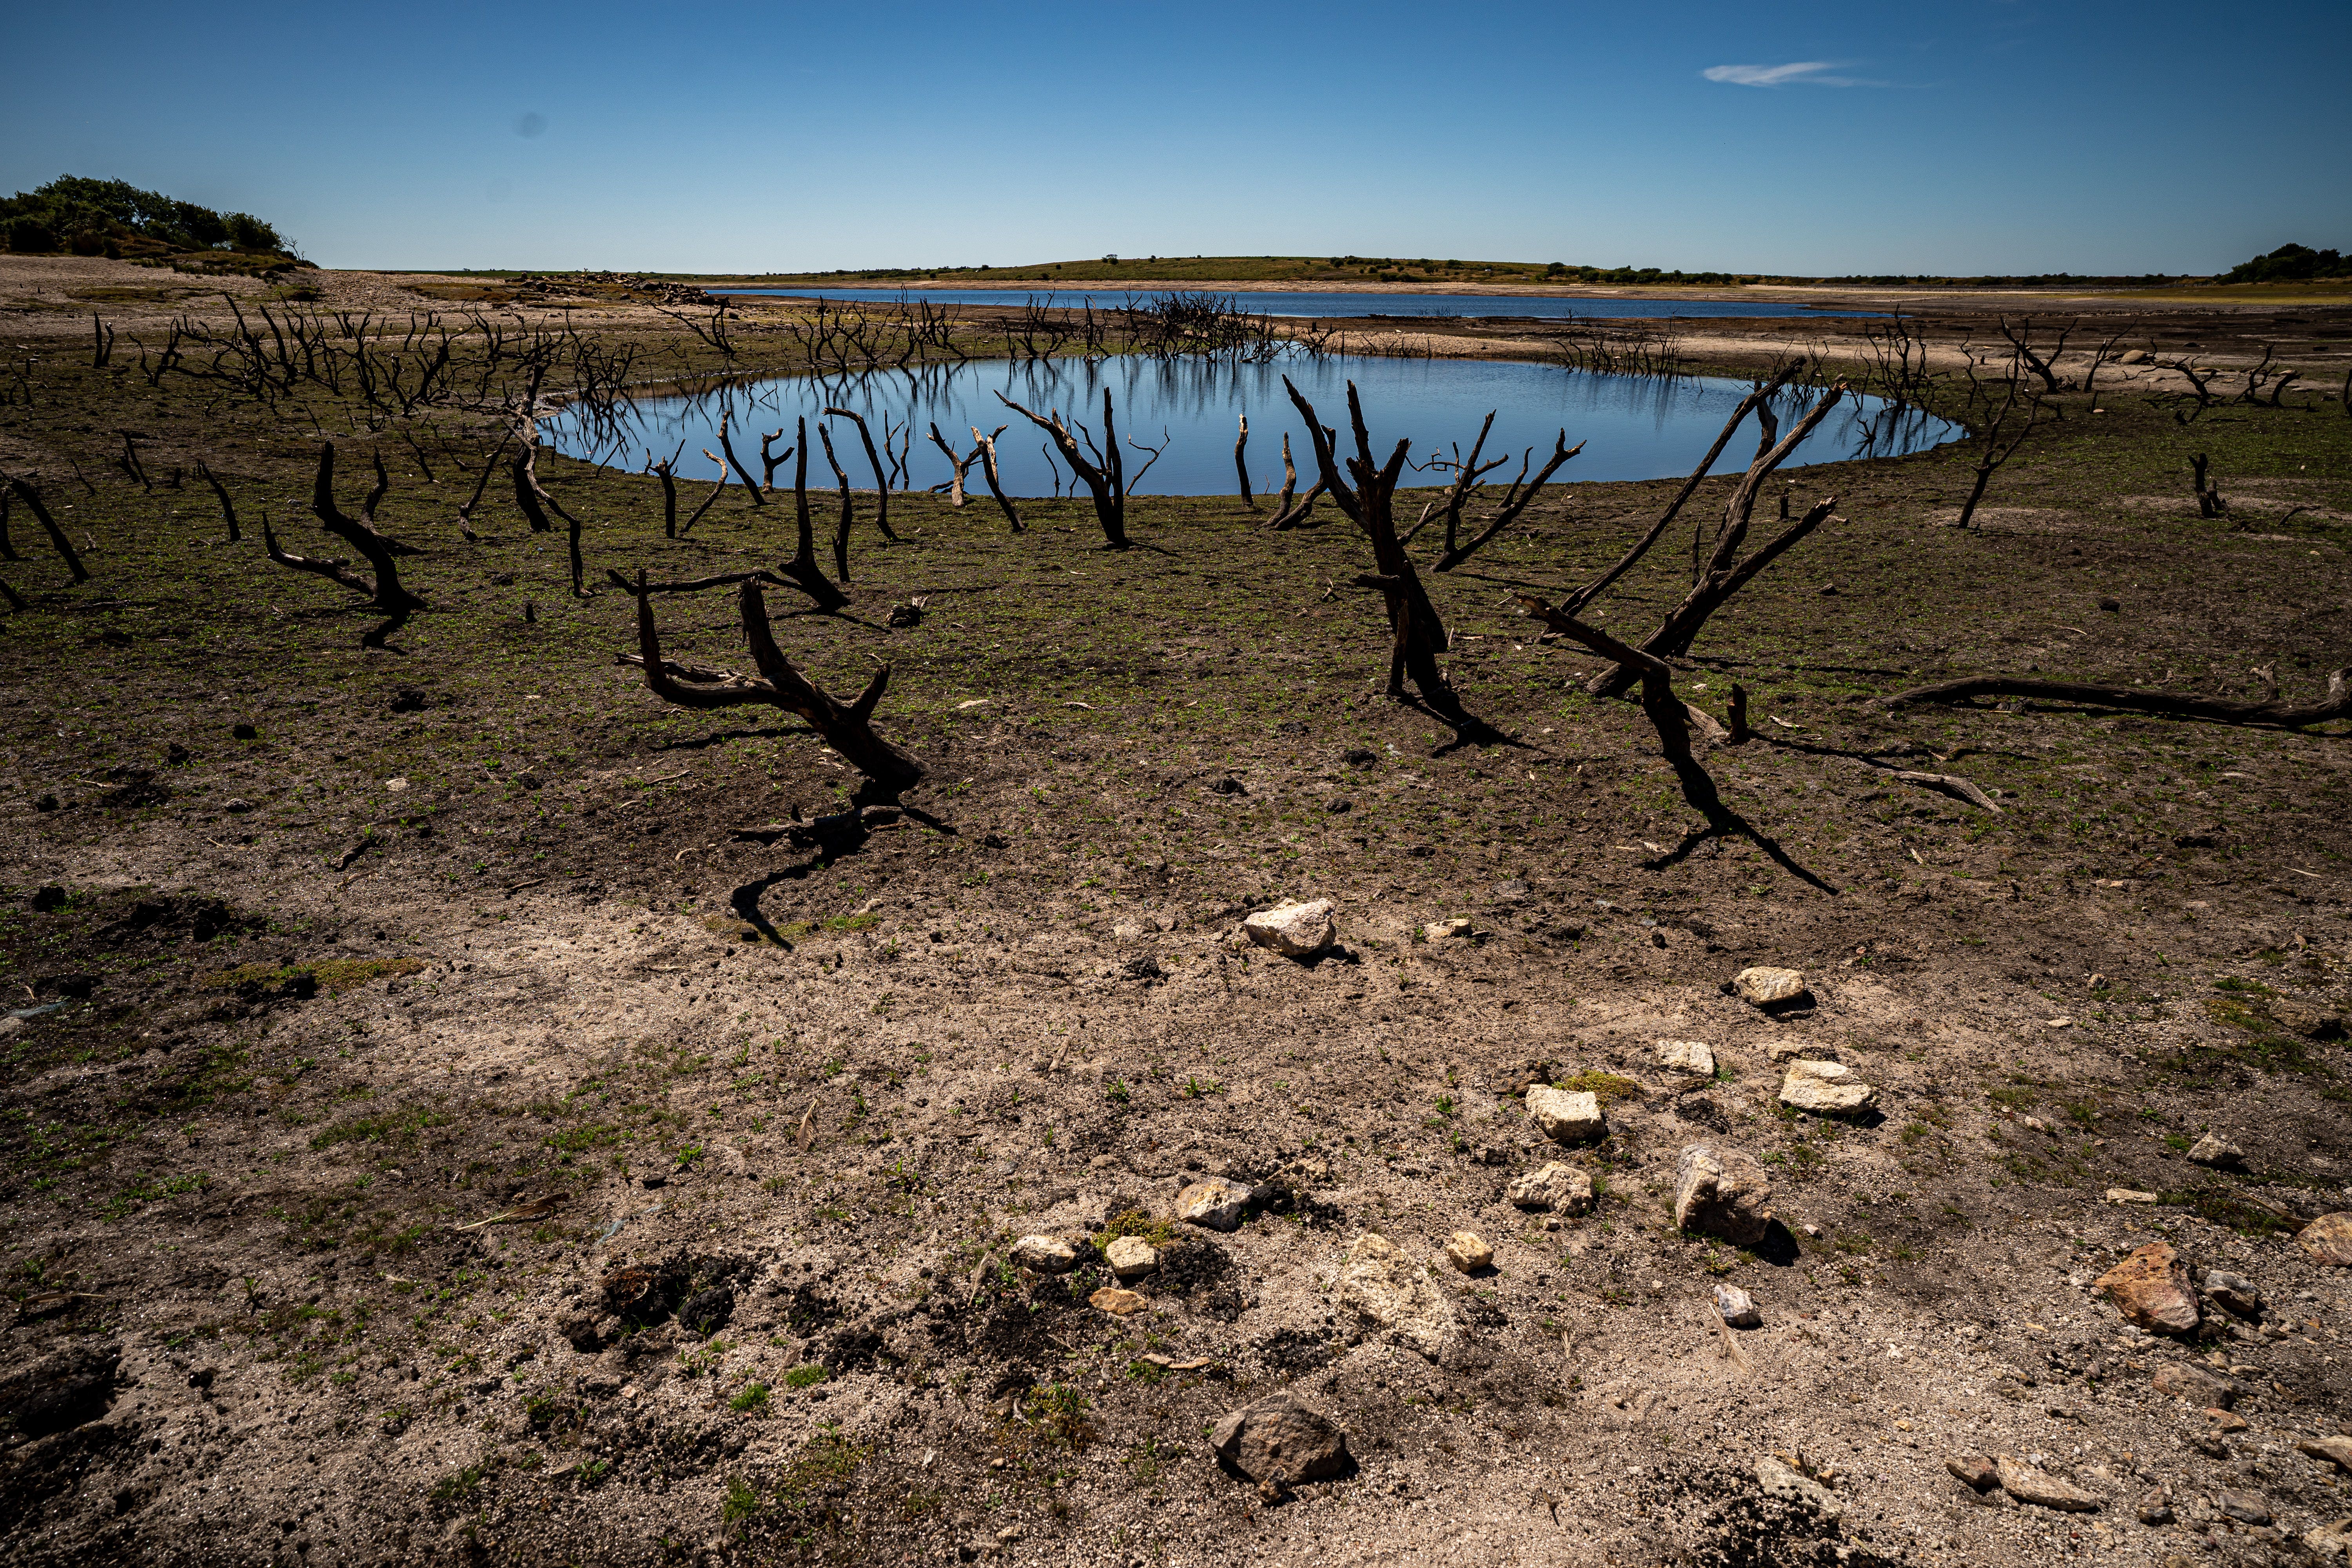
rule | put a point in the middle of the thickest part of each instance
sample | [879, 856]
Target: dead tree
[1240, 464]
[1999, 438]
[25, 492]
[666, 471]
[847, 728]
[1416, 634]
[725, 415]
[840, 532]
[533, 501]
[803, 568]
[2020, 343]
[2338, 704]
[987, 450]
[1289, 477]
[359, 532]
[1515, 500]
[955, 486]
[334, 570]
[2209, 503]
[769, 461]
[718, 488]
[228, 511]
[7, 545]
[1105, 474]
[102, 343]
[881, 473]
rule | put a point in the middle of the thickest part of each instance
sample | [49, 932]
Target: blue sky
[1965, 136]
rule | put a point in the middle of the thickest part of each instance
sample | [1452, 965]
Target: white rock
[1443, 930]
[1693, 1056]
[1737, 1307]
[1565, 1116]
[1216, 1204]
[1827, 1087]
[1778, 1480]
[1131, 1257]
[2216, 1152]
[1292, 929]
[1385, 1287]
[1722, 1192]
[2126, 1195]
[1554, 1189]
[1046, 1254]
[1468, 1251]
[1766, 987]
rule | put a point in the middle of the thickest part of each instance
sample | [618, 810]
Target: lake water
[1469, 307]
[1635, 427]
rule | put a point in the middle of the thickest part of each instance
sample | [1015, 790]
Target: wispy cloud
[1796, 73]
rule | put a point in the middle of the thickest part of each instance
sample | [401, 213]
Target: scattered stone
[1770, 989]
[1565, 1116]
[2155, 1508]
[2244, 1507]
[1443, 930]
[2026, 1484]
[2128, 1195]
[1554, 1188]
[2151, 1288]
[1737, 1308]
[1046, 1254]
[237, 806]
[1216, 1204]
[1131, 1257]
[2201, 1388]
[1292, 929]
[2235, 1292]
[1793, 1486]
[2330, 1543]
[1118, 1303]
[1828, 1089]
[2328, 1239]
[1974, 1470]
[1800, 1050]
[1278, 1439]
[2217, 1153]
[1382, 1286]
[1693, 1056]
[2337, 1450]
[1722, 1194]
[2313, 1023]
[2134, 356]
[2224, 1421]
[1468, 1251]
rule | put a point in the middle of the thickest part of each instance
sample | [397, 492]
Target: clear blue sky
[1936, 136]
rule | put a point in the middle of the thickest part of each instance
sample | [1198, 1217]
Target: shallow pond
[1633, 428]
[1279, 302]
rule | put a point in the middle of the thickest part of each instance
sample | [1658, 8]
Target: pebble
[1468, 1251]
[2128, 1195]
[2328, 1239]
[2235, 1292]
[2026, 1484]
[1131, 1257]
[2337, 1450]
[1445, 931]
[1778, 1480]
[1118, 1303]
[1292, 929]
[1216, 1204]
[1737, 1308]
[2194, 1384]
[1046, 1254]
[1974, 1470]
[1565, 1116]
[2217, 1153]
[1385, 1287]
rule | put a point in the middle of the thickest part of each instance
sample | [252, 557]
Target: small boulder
[2311, 1022]
[2026, 1484]
[1794, 1486]
[1292, 929]
[2151, 1287]
[1696, 1057]
[1566, 1116]
[1447, 931]
[1554, 1188]
[1278, 1439]
[1214, 1205]
[2134, 356]
[1736, 1307]
[1828, 1089]
[2336, 1450]
[1973, 1470]
[1118, 1303]
[2328, 1239]
[2217, 1153]
[1722, 1193]
[2329, 1543]
[1385, 1287]
[1046, 1254]
[1468, 1251]
[2185, 1380]
[1131, 1257]
[2235, 1292]
[1770, 989]
[2246, 1508]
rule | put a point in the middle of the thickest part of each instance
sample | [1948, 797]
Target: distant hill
[110, 217]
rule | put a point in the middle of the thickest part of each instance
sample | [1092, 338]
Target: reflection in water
[1635, 427]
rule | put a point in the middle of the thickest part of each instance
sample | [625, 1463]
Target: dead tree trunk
[1240, 464]
[1291, 516]
[1997, 441]
[847, 728]
[58, 540]
[2338, 704]
[987, 448]
[841, 533]
[881, 473]
[726, 415]
[955, 486]
[336, 572]
[771, 461]
[718, 488]
[1417, 635]
[361, 534]
[803, 568]
[1289, 477]
[667, 470]
[2209, 503]
[1515, 499]
[1104, 477]
[7, 545]
[228, 511]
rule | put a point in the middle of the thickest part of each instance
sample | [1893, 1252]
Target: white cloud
[1799, 72]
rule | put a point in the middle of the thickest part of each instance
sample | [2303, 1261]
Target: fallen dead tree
[24, 491]
[847, 726]
[2337, 704]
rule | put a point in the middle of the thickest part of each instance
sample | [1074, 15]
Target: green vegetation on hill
[110, 217]
[2291, 264]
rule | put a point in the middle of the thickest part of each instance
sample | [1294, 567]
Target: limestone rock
[2330, 1543]
[1828, 1087]
[1446, 930]
[2217, 1153]
[1793, 1485]
[1696, 1057]
[1554, 1189]
[1385, 1287]
[2235, 1292]
[2134, 356]
[1737, 1308]
[1216, 1204]
[1118, 1303]
[1565, 1116]
[1468, 1251]
[2026, 1484]
[1770, 989]
[1131, 1257]
[1046, 1254]
[2150, 1288]
[1722, 1193]
[1974, 1470]
[2183, 1380]
[1292, 929]
[2337, 1450]
[2328, 1239]
[1277, 1438]
[2129, 1196]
